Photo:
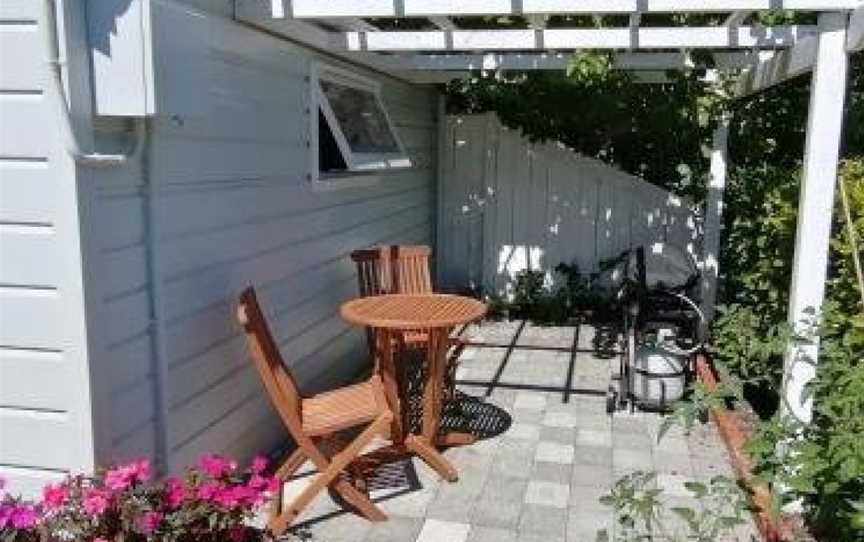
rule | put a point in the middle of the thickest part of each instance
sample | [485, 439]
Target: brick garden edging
[735, 433]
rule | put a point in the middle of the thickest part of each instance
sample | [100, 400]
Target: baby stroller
[656, 288]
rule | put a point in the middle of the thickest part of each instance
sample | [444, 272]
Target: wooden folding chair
[315, 420]
[402, 269]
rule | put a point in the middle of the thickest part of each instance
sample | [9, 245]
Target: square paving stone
[548, 494]
[591, 476]
[443, 531]
[524, 431]
[554, 452]
[395, 529]
[564, 435]
[502, 488]
[551, 472]
[544, 520]
[593, 437]
[491, 534]
[530, 401]
[560, 419]
[584, 525]
[592, 455]
[491, 512]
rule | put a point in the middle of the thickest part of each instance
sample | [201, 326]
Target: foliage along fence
[507, 205]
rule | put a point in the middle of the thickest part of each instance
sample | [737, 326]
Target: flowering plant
[212, 501]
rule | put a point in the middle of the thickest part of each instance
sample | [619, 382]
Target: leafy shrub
[213, 502]
[821, 463]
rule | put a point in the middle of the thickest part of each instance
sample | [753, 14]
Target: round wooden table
[391, 316]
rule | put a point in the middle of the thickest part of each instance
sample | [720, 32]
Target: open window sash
[363, 131]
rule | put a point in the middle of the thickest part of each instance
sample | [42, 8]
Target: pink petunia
[217, 466]
[208, 490]
[96, 501]
[54, 496]
[24, 517]
[149, 522]
[124, 476]
[175, 492]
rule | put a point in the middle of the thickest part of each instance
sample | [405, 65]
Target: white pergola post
[714, 216]
[816, 202]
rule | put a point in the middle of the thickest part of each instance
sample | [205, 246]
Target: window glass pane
[329, 156]
[362, 121]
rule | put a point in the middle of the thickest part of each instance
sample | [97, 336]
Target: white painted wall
[507, 204]
[233, 208]
[45, 426]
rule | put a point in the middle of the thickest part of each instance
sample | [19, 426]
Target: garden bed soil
[735, 426]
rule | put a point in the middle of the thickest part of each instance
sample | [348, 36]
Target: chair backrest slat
[276, 377]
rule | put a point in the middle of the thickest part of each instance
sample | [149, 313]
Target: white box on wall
[149, 57]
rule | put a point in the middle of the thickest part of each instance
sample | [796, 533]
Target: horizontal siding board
[200, 288]
[126, 317]
[20, 369]
[34, 438]
[124, 271]
[126, 217]
[30, 256]
[28, 191]
[21, 47]
[237, 244]
[133, 408]
[28, 482]
[129, 363]
[132, 446]
[20, 114]
[19, 10]
[31, 319]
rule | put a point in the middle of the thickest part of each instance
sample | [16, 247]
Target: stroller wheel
[611, 401]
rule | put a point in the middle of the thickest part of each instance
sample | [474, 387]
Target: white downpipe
[70, 138]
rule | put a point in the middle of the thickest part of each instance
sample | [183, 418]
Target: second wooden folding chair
[314, 420]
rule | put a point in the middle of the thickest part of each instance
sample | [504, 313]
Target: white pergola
[441, 50]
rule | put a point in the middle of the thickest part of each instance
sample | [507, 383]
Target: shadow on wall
[507, 205]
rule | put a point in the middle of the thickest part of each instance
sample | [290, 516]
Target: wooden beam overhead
[445, 8]
[855, 35]
[534, 61]
[565, 39]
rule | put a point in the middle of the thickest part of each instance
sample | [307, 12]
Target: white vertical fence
[507, 204]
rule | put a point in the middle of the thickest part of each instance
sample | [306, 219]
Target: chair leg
[329, 470]
[290, 465]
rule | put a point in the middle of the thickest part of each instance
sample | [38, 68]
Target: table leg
[389, 377]
[424, 444]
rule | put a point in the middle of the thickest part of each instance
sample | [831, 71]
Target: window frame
[356, 163]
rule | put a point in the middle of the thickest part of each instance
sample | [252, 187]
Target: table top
[400, 311]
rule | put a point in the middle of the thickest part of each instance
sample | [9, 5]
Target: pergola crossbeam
[426, 8]
[707, 37]
[551, 61]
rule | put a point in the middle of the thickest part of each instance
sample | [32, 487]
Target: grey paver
[542, 479]
[443, 531]
[549, 494]
[543, 520]
[491, 534]
[554, 452]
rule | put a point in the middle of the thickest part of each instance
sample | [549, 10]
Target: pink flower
[54, 496]
[175, 492]
[120, 478]
[24, 516]
[149, 522]
[96, 501]
[259, 464]
[217, 466]
[208, 490]
[100, 539]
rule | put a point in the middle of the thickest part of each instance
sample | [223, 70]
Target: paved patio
[540, 479]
